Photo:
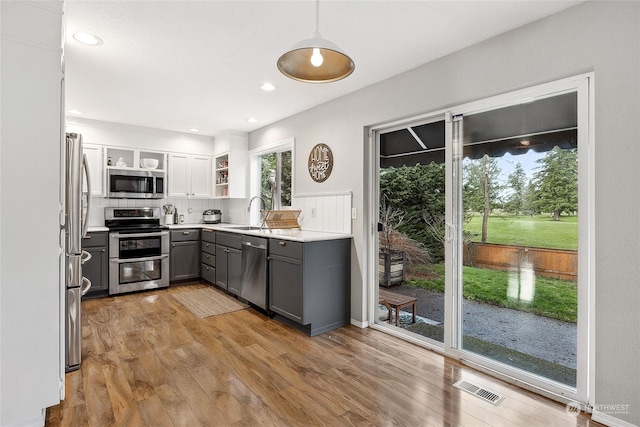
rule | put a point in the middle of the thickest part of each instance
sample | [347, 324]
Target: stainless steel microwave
[135, 184]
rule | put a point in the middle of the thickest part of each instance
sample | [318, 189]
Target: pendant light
[316, 60]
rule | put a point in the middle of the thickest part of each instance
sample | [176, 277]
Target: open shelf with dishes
[231, 165]
[123, 158]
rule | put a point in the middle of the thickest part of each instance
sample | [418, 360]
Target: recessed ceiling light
[194, 130]
[88, 39]
[267, 87]
[77, 112]
[252, 120]
[525, 142]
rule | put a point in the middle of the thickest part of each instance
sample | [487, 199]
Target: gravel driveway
[538, 336]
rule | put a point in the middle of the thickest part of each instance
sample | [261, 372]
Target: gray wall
[603, 37]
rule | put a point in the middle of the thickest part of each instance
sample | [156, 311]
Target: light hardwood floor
[147, 361]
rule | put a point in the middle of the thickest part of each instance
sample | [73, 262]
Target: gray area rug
[207, 302]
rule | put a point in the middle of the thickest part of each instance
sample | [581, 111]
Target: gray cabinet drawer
[208, 273]
[209, 259]
[98, 238]
[286, 248]
[230, 240]
[208, 235]
[185, 235]
[209, 247]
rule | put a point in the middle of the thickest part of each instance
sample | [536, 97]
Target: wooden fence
[555, 263]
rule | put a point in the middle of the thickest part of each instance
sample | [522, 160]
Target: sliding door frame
[583, 84]
[372, 202]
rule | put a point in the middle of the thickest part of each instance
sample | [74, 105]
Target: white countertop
[93, 229]
[292, 234]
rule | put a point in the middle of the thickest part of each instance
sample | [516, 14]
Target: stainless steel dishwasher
[254, 271]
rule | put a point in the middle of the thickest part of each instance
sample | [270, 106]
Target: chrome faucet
[263, 204]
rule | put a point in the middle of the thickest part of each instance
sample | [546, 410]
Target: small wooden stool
[391, 300]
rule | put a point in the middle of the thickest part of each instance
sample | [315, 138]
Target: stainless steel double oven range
[138, 249]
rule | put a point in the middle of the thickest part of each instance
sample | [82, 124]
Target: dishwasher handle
[254, 245]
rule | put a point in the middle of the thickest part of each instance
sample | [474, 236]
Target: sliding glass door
[502, 204]
[411, 254]
[520, 212]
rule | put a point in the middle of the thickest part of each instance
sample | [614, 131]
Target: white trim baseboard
[361, 325]
[609, 420]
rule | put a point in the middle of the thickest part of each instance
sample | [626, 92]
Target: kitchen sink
[246, 227]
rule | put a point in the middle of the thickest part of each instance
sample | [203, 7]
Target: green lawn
[554, 298]
[537, 231]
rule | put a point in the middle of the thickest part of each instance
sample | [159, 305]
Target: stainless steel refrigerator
[76, 212]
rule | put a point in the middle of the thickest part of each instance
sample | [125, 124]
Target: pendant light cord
[317, 16]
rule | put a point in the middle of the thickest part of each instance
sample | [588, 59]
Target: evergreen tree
[419, 191]
[557, 183]
[516, 182]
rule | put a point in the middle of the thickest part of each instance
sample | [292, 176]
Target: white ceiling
[176, 65]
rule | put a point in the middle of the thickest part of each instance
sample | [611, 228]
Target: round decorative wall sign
[320, 162]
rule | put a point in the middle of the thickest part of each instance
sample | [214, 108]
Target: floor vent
[480, 392]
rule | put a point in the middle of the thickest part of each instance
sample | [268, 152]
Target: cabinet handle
[173, 245]
[282, 243]
[207, 245]
[206, 230]
[186, 233]
[87, 237]
[104, 250]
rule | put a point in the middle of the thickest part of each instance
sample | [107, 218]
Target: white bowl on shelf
[149, 163]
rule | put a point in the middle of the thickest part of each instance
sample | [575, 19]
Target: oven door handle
[146, 234]
[129, 260]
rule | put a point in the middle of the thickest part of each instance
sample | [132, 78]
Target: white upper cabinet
[225, 174]
[179, 180]
[201, 176]
[94, 155]
[190, 176]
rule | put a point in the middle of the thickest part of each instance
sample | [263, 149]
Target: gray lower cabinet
[285, 286]
[208, 255]
[229, 261]
[185, 255]
[97, 268]
[310, 283]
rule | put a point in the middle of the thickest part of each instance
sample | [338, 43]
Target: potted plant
[396, 248]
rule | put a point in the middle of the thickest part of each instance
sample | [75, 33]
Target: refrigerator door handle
[73, 350]
[69, 276]
[86, 256]
[86, 285]
[85, 218]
